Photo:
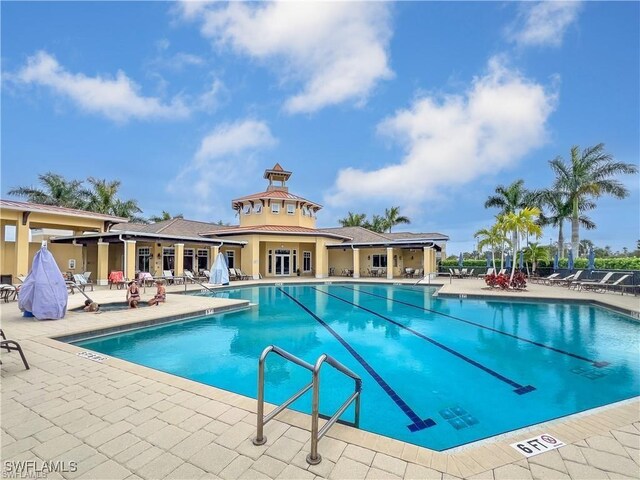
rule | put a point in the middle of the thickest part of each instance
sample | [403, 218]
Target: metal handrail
[194, 280]
[316, 434]
[262, 419]
[314, 457]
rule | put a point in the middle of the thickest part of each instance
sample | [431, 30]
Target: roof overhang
[277, 232]
[405, 245]
[58, 211]
[119, 236]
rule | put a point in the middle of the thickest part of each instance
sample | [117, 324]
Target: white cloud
[223, 157]
[452, 140]
[543, 23]
[116, 98]
[337, 50]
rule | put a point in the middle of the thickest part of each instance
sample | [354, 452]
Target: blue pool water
[436, 372]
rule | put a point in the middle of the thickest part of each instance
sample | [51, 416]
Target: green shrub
[624, 263]
[466, 263]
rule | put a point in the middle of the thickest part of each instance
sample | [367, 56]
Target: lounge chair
[617, 284]
[489, 272]
[12, 346]
[116, 278]
[242, 275]
[593, 285]
[544, 280]
[233, 275]
[81, 282]
[8, 292]
[87, 275]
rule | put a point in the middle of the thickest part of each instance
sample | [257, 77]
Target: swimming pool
[436, 372]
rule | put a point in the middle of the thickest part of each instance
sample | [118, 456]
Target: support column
[250, 259]
[389, 263]
[213, 254]
[102, 274]
[22, 248]
[179, 265]
[130, 255]
[429, 260]
[322, 259]
[3, 252]
[356, 263]
[78, 255]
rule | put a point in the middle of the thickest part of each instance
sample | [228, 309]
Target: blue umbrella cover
[592, 259]
[570, 258]
[488, 256]
[460, 260]
[508, 262]
[521, 261]
[555, 261]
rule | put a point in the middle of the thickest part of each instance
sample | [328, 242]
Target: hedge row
[624, 263]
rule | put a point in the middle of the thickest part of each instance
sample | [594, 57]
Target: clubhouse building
[276, 237]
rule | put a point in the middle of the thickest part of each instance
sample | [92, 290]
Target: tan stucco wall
[340, 259]
[282, 218]
[61, 253]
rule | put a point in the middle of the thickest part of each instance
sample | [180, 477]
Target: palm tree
[392, 218]
[533, 253]
[164, 216]
[521, 224]
[560, 209]
[102, 198]
[490, 237]
[56, 190]
[353, 220]
[511, 198]
[377, 224]
[588, 176]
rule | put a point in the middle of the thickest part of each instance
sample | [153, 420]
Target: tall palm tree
[560, 209]
[392, 218]
[521, 224]
[588, 176]
[102, 198]
[511, 198]
[353, 220]
[491, 237]
[164, 216]
[55, 190]
[377, 224]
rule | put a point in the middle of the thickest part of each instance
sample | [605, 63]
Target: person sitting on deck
[161, 294]
[133, 294]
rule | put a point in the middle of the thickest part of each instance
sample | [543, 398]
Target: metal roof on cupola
[276, 190]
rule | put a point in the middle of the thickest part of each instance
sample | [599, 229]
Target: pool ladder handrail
[313, 458]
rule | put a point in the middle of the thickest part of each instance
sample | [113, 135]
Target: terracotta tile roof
[174, 226]
[278, 194]
[412, 235]
[358, 234]
[37, 207]
[275, 229]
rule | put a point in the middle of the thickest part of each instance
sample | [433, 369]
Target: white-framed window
[231, 258]
[246, 209]
[305, 211]
[144, 259]
[168, 258]
[203, 259]
[379, 261]
[275, 208]
[257, 208]
[187, 259]
[291, 209]
[306, 261]
[270, 262]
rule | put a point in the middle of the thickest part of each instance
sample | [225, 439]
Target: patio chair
[489, 272]
[233, 275]
[167, 275]
[544, 280]
[116, 278]
[206, 274]
[81, 282]
[8, 292]
[593, 285]
[457, 273]
[618, 284]
[87, 275]
[470, 272]
[12, 346]
[242, 275]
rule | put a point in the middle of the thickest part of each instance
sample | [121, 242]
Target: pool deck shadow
[121, 420]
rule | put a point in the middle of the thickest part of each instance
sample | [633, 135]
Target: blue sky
[424, 105]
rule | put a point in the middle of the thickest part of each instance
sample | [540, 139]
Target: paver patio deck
[120, 420]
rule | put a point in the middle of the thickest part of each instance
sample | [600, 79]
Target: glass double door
[282, 262]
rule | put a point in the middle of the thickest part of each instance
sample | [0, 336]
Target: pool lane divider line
[417, 423]
[518, 388]
[595, 363]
